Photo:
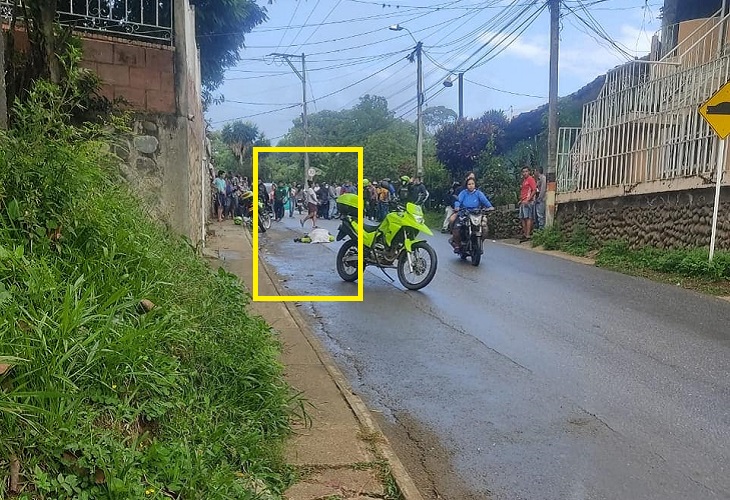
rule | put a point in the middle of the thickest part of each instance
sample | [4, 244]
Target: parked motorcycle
[391, 244]
[265, 211]
[474, 230]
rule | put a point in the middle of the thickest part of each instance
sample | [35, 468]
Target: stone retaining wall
[681, 219]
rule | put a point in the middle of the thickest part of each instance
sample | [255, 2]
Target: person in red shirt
[527, 203]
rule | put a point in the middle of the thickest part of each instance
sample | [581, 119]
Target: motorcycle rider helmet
[365, 182]
[405, 179]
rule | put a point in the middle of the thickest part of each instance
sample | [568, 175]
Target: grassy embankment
[102, 395]
[689, 268]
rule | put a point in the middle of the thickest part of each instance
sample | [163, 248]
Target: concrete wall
[165, 155]
[680, 219]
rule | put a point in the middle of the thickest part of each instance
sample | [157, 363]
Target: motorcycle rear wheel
[419, 251]
[346, 271]
[265, 220]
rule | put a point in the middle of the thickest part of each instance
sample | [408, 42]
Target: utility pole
[553, 110]
[303, 77]
[419, 90]
[461, 96]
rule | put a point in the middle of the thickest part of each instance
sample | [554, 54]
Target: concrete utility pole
[419, 90]
[303, 77]
[553, 110]
[3, 95]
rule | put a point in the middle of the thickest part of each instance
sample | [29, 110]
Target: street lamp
[419, 96]
[449, 83]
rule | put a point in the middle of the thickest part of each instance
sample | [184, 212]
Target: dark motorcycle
[266, 213]
[474, 230]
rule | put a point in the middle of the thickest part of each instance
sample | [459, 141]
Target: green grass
[105, 400]
[687, 268]
[434, 219]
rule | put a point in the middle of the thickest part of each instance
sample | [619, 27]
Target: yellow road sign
[716, 110]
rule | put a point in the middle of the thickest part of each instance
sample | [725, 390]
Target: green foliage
[105, 400]
[458, 145]
[550, 238]
[497, 179]
[435, 117]
[579, 241]
[221, 29]
[223, 157]
[691, 263]
[241, 138]
[50, 172]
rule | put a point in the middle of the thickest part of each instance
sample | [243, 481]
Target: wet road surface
[533, 376]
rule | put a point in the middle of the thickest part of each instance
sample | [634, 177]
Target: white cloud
[522, 47]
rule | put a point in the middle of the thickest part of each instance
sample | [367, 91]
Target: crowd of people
[319, 200]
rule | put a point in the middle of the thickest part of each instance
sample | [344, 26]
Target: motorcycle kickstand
[386, 274]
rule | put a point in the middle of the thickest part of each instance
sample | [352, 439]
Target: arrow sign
[716, 110]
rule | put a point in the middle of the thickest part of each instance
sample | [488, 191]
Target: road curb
[403, 480]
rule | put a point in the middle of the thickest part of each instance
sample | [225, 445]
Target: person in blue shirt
[469, 199]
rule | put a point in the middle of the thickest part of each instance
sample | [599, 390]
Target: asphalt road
[531, 377]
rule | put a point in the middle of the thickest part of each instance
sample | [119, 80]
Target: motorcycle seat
[369, 228]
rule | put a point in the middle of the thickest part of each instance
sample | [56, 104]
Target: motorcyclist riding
[469, 199]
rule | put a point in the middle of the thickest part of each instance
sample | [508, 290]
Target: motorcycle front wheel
[346, 266]
[476, 253]
[424, 262]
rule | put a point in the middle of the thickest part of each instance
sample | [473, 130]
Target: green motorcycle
[391, 244]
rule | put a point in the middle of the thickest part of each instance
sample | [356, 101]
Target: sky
[502, 46]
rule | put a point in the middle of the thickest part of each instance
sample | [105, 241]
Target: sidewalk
[341, 454]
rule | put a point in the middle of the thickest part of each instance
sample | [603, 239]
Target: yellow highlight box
[360, 266]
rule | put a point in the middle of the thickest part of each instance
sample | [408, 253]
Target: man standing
[332, 209]
[220, 186]
[312, 205]
[527, 203]
[419, 194]
[541, 197]
[280, 196]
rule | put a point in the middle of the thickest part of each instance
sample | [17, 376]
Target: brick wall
[141, 73]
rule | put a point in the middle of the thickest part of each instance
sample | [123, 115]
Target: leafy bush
[106, 399]
[579, 241]
[550, 238]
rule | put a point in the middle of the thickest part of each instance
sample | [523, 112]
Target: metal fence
[644, 125]
[145, 20]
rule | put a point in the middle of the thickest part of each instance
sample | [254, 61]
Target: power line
[255, 114]
[316, 28]
[289, 25]
[505, 91]
[302, 27]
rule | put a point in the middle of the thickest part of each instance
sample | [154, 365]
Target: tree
[437, 116]
[499, 179]
[458, 145]
[223, 157]
[221, 28]
[242, 137]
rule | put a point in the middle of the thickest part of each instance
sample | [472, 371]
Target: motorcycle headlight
[419, 219]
